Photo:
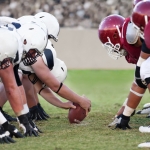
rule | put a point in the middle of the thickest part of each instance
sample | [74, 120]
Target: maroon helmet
[110, 34]
[147, 35]
[141, 15]
[135, 2]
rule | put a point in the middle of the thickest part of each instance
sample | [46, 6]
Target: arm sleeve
[145, 49]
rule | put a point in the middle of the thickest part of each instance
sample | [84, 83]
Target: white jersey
[19, 53]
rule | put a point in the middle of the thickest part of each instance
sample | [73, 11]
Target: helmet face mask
[6, 63]
[114, 50]
[30, 57]
[110, 35]
[52, 37]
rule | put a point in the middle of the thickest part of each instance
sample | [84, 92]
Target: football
[76, 115]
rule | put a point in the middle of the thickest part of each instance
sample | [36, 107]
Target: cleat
[144, 111]
[144, 129]
[146, 144]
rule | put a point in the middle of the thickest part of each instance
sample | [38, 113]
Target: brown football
[76, 115]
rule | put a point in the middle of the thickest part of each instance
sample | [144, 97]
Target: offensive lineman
[121, 39]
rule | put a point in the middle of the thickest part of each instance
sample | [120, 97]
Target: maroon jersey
[133, 52]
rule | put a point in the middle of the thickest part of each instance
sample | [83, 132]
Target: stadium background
[78, 43]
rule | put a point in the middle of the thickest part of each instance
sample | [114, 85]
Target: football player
[28, 42]
[49, 52]
[120, 38]
[53, 30]
[8, 49]
[143, 25]
[49, 79]
[140, 17]
[59, 70]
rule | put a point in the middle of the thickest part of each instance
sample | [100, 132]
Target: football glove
[36, 113]
[123, 122]
[31, 122]
[43, 111]
[12, 130]
[25, 126]
[5, 137]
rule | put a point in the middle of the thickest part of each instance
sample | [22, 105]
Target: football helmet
[32, 19]
[147, 34]
[8, 47]
[110, 35]
[141, 15]
[135, 2]
[34, 42]
[51, 23]
[59, 70]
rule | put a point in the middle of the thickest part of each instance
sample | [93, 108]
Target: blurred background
[70, 13]
[82, 17]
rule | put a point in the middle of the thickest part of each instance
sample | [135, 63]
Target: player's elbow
[55, 87]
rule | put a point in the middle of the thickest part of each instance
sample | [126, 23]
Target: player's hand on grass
[26, 127]
[5, 137]
[42, 110]
[36, 113]
[33, 125]
[12, 130]
[123, 122]
[85, 103]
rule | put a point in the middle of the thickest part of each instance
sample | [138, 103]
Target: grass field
[107, 91]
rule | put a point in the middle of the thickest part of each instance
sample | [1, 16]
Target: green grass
[107, 91]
